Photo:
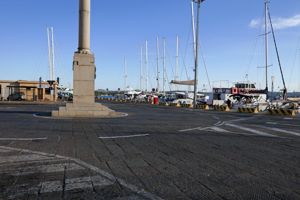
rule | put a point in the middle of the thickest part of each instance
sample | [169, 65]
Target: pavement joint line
[251, 130]
[110, 177]
[124, 136]
[23, 139]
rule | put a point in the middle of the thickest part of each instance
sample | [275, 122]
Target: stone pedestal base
[84, 71]
[95, 110]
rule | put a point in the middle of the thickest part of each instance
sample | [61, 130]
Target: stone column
[84, 26]
[84, 74]
[84, 61]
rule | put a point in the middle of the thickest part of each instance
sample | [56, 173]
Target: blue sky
[228, 35]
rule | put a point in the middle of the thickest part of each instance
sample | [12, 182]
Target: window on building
[47, 91]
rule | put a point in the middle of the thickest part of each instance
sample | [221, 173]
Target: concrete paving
[153, 153]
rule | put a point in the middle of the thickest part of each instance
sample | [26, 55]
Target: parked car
[16, 97]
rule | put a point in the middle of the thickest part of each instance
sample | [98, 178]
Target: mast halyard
[278, 58]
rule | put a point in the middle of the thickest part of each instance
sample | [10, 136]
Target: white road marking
[22, 139]
[218, 129]
[251, 130]
[288, 118]
[218, 123]
[210, 128]
[123, 136]
[216, 117]
[273, 123]
[193, 129]
[283, 131]
[240, 119]
[110, 177]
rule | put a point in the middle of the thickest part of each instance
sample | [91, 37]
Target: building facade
[28, 90]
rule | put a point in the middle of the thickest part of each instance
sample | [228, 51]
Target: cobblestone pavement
[27, 174]
[153, 153]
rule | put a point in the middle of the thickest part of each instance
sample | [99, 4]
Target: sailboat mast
[193, 29]
[146, 62]
[177, 60]
[51, 52]
[53, 58]
[164, 66]
[125, 73]
[157, 66]
[141, 69]
[266, 44]
[196, 52]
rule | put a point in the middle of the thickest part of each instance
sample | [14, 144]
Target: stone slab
[85, 110]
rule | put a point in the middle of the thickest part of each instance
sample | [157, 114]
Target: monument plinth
[84, 74]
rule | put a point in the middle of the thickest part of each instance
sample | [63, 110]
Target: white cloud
[278, 23]
[282, 23]
[255, 23]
